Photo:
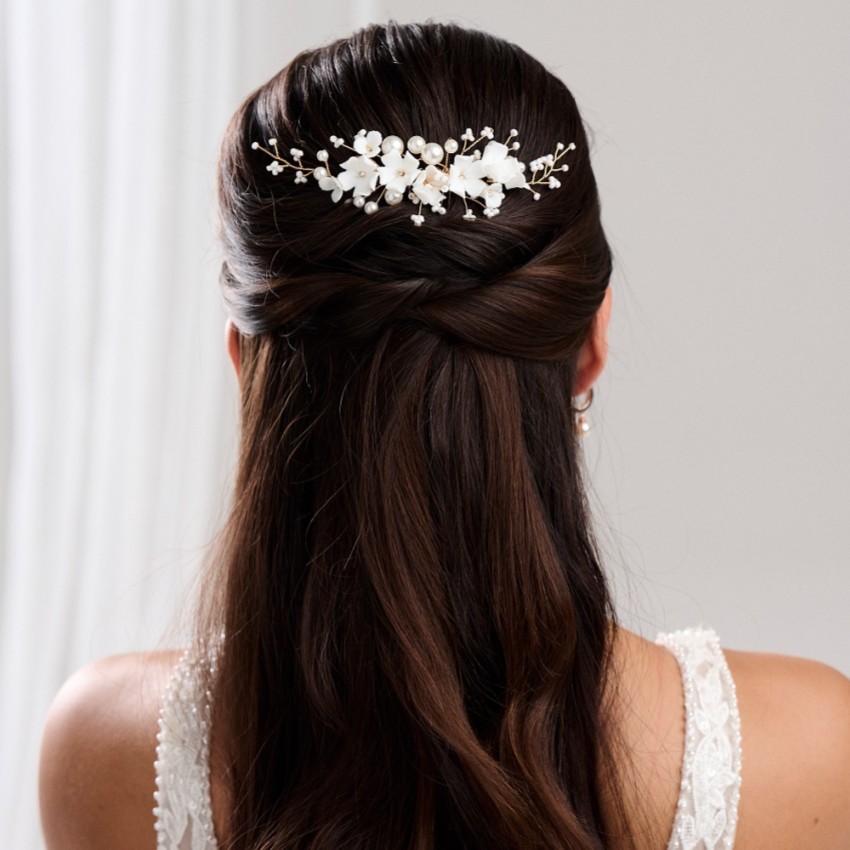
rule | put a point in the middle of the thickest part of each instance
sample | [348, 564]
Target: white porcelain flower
[430, 186]
[360, 174]
[275, 167]
[493, 195]
[466, 176]
[397, 171]
[502, 168]
[494, 152]
[368, 145]
[331, 184]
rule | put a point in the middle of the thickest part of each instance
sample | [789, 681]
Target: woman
[406, 638]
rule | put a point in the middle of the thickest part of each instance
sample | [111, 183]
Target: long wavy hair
[416, 628]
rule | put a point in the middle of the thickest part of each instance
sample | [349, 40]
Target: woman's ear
[594, 351]
[231, 340]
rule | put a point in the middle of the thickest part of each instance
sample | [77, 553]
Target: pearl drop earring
[582, 423]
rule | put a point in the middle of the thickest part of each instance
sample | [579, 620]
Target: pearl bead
[392, 197]
[415, 144]
[359, 201]
[370, 208]
[432, 153]
[320, 173]
[451, 146]
[392, 143]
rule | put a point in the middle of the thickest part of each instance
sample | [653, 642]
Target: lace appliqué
[183, 811]
[707, 812]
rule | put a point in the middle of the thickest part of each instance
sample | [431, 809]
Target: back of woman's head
[294, 258]
[416, 624]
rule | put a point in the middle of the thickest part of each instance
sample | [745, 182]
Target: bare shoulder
[96, 776]
[795, 729]
[648, 703]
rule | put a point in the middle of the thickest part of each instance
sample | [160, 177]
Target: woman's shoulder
[795, 725]
[795, 737]
[96, 777]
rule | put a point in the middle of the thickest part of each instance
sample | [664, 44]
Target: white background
[719, 454]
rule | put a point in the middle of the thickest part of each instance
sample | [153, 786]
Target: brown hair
[417, 627]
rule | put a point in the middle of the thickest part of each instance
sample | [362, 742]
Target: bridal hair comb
[425, 172]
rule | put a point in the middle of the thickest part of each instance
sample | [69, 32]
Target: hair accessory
[582, 423]
[425, 172]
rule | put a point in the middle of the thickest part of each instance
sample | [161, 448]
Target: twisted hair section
[417, 627]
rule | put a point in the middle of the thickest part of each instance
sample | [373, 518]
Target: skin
[97, 775]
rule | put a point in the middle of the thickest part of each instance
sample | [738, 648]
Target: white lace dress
[707, 811]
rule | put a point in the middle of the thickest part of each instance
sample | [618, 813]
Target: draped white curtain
[118, 409]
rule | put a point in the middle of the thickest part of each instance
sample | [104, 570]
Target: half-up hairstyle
[416, 626]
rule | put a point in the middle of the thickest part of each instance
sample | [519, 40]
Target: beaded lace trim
[183, 810]
[707, 811]
[706, 815]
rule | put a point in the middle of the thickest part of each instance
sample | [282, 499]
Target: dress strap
[183, 809]
[707, 811]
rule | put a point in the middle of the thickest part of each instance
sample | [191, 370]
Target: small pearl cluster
[424, 172]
